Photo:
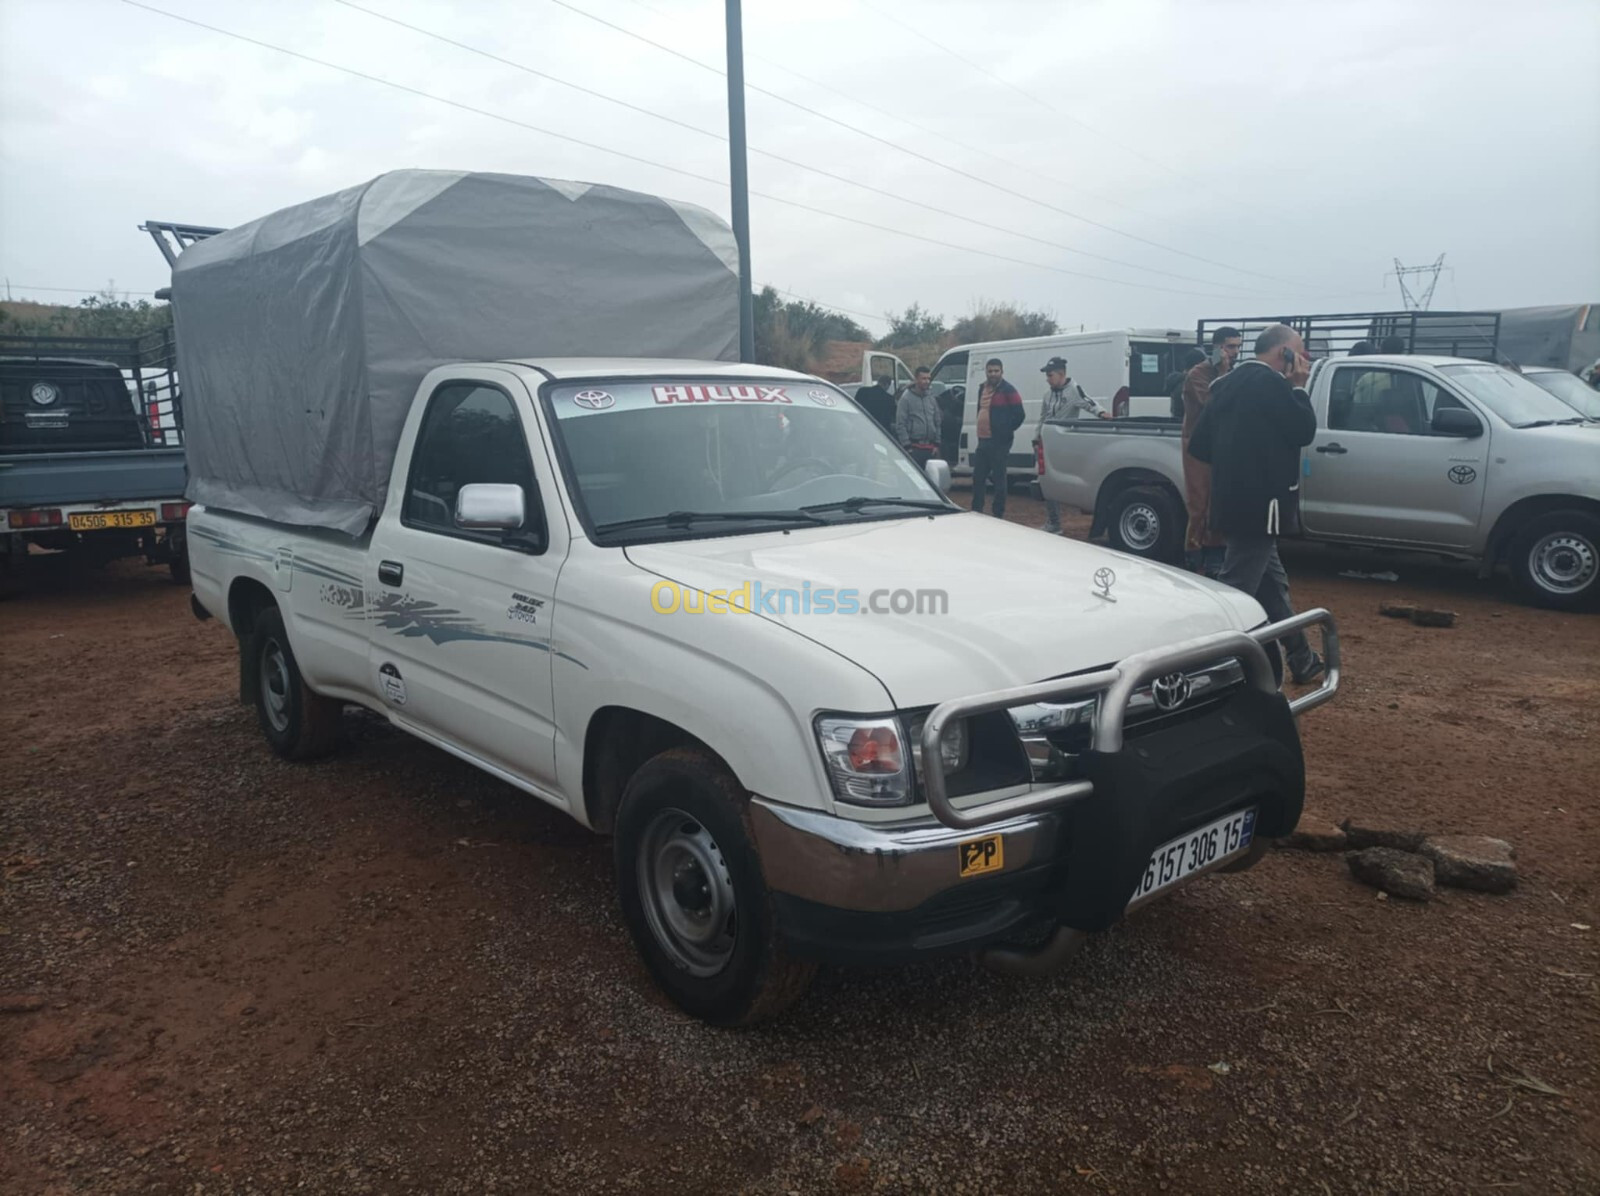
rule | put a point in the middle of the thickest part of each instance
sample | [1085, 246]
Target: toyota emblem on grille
[1104, 578]
[1171, 691]
[594, 400]
[43, 393]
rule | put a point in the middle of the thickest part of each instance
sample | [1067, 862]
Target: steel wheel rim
[275, 685]
[1564, 563]
[1139, 526]
[687, 893]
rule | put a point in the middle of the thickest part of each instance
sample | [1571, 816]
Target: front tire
[693, 895]
[1555, 560]
[298, 723]
[1145, 521]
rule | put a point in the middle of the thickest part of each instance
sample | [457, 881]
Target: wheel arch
[618, 740]
[1521, 512]
[247, 598]
[1121, 480]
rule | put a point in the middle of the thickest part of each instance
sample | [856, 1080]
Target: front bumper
[1073, 854]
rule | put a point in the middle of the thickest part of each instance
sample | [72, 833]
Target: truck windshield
[1569, 388]
[670, 459]
[1510, 396]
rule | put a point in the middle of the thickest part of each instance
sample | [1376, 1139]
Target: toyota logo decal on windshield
[594, 400]
[825, 397]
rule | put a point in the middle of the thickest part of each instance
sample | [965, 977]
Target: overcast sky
[1303, 145]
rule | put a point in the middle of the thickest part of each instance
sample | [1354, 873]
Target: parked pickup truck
[1450, 456]
[553, 593]
[709, 608]
[91, 456]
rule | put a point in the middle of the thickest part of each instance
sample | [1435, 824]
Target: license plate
[987, 854]
[1200, 849]
[89, 521]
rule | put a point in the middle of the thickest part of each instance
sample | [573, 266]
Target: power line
[22, 286]
[915, 154]
[941, 134]
[510, 120]
[1021, 91]
[817, 170]
[846, 311]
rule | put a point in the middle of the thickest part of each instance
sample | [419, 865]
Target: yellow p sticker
[982, 855]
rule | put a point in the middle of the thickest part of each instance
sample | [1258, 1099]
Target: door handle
[391, 573]
[1335, 448]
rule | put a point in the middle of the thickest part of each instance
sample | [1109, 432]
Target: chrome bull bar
[1114, 687]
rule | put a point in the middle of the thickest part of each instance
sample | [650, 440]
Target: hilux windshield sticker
[587, 400]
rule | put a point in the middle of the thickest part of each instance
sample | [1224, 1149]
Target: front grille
[1055, 733]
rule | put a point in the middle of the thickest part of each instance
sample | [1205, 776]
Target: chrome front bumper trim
[880, 867]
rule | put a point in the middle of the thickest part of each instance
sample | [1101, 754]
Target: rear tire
[178, 556]
[298, 723]
[693, 895]
[1555, 560]
[1146, 521]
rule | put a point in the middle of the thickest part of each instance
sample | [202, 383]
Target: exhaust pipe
[1045, 960]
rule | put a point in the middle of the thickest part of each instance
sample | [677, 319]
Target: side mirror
[490, 507]
[1456, 421]
[938, 471]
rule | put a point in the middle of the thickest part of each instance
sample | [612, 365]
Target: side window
[1374, 399]
[470, 433]
[1149, 363]
[952, 369]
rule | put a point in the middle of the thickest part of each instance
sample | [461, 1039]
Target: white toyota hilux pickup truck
[714, 610]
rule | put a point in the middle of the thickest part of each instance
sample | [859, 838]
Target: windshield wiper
[1551, 423]
[852, 505]
[683, 519]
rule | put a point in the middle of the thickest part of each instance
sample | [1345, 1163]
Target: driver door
[1377, 471]
[460, 620]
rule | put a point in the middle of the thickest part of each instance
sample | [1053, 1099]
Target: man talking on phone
[1251, 432]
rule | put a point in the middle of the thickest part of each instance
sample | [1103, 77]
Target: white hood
[1023, 605]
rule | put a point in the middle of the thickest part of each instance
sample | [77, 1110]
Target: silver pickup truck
[1435, 454]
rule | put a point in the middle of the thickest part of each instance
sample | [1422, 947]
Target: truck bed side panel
[1080, 455]
[316, 579]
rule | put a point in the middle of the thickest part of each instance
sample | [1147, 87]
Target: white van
[1124, 368]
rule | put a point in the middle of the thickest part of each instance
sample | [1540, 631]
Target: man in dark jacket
[1251, 433]
[878, 401]
[999, 416]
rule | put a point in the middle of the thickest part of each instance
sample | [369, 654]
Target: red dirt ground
[223, 973]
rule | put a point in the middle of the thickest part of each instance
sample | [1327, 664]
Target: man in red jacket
[999, 417]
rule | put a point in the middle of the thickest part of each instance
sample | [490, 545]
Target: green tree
[994, 321]
[914, 326]
[102, 315]
[790, 333]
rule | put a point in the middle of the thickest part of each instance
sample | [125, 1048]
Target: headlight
[869, 759]
[866, 758]
[952, 743]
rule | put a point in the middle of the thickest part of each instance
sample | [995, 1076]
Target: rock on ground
[1400, 873]
[1362, 835]
[1472, 862]
[1315, 833]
